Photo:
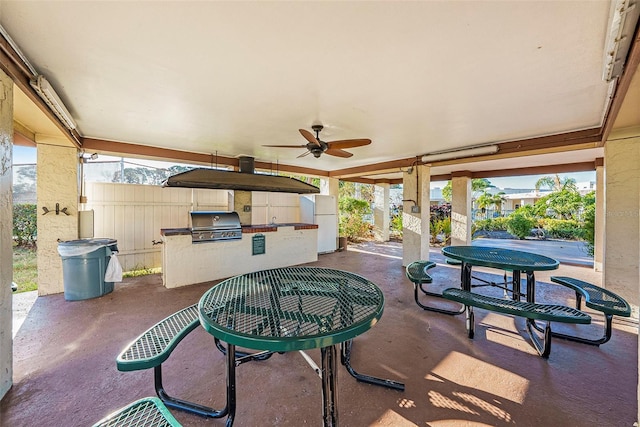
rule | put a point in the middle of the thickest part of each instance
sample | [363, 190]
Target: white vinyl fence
[134, 214]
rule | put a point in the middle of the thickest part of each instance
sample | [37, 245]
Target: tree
[147, 175]
[478, 185]
[589, 219]
[555, 183]
[356, 190]
[563, 202]
[350, 218]
[487, 199]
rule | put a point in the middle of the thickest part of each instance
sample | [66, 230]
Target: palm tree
[487, 199]
[555, 183]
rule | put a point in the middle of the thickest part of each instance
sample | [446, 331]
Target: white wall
[134, 214]
[285, 207]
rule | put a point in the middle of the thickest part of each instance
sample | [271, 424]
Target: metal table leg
[345, 359]
[231, 383]
[329, 386]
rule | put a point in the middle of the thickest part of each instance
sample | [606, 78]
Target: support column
[598, 232]
[415, 225]
[461, 208]
[329, 186]
[622, 225]
[57, 171]
[6, 231]
[242, 203]
[381, 216]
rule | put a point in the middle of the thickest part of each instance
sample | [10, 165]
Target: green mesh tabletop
[293, 308]
[504, 259]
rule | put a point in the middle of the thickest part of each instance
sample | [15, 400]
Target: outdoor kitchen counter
[257, 228]
[265, 228]
[262, 247]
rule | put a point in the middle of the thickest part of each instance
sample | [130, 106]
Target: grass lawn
[25, 269]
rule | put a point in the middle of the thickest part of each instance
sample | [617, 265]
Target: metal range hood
[245, 180]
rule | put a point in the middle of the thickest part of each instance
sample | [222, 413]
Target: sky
[23, 155]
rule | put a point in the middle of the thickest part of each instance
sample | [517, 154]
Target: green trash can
[84, 263]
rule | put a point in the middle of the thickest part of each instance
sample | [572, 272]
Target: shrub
[439, 212]
[25, 229]
[351, 219]
[396, 224]
[562, 228]
[519, 225]
[492, 224]
[441, 227]
[589, 220]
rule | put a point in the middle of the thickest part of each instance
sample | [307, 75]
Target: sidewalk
[22, 303]
[566, 251]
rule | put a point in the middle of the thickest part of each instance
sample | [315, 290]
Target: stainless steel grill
[207, 226]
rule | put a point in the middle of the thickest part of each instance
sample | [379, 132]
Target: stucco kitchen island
[275, 245]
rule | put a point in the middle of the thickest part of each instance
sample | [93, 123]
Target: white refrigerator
[323, 211]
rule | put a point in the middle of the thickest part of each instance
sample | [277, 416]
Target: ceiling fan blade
[309, 137]
[304, 154]
[287, 146]
[338, 153]
[348, 143]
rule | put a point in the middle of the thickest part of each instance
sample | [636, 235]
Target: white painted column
[6, 228]
[600, 216]
[329, 186]
[57, 171]
[461, 208]
[381, 220]
[415, 225]
[622, 226]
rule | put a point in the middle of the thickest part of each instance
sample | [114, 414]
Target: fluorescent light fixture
[623, 18]
[469, 152]
[51, 98]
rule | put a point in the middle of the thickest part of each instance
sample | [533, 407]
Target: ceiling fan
[316, 146]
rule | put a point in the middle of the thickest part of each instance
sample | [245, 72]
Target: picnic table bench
[155, 345]
[147, 412]
[530, 311]
[598, 299]
[417, 273]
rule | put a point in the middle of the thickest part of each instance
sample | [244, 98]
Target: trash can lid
[88, 242]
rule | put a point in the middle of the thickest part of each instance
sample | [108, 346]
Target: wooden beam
[157, 153]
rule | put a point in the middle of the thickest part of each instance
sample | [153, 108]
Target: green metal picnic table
[294, 308]
[503, 259]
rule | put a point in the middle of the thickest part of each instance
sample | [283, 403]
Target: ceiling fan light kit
[450, 155]
[316, 146]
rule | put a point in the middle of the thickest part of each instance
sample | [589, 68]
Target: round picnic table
[286, 309]
[503, 259]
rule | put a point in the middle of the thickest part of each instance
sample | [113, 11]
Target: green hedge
[519, 225]
[562, 228]
[25, 229]
[492, 224]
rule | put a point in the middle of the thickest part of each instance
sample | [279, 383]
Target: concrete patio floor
[65, 372]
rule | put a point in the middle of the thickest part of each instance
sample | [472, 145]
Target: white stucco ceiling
[229, 77]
